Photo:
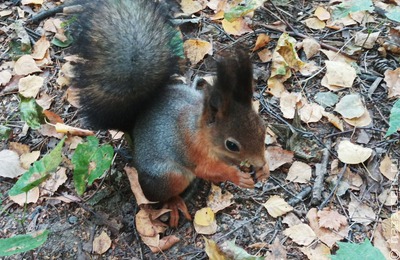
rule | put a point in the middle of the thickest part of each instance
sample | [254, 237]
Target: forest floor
[334, 173]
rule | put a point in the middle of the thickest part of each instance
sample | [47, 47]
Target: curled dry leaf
[218, 201]
[66, 129]
[196, 49]
[101, 243]
[351, 153]
[299, 172]
[301, 234]
[276, 206]
[135, 186]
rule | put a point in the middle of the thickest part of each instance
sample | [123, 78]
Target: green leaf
[238, 252]
[394, 120]
[241, 10]
[31, 112]
[39, 171]
[326, 99]
[350, 251]
[63, 44]
[352, 6]
[22, 243]
[5, 132]
[90, 162]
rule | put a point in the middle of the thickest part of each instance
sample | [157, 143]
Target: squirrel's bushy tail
[130, 50]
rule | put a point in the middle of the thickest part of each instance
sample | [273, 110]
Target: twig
[320, 171]
[323, 204]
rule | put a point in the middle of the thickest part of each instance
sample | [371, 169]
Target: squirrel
[179, 133]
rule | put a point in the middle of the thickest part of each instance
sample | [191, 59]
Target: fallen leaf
[196, 49]
[366, 40]
[277, 157]
[218, 201]
[314, 23]
[205, 222]
[392, 79]
[51, 185]
[310, 113]
[101, 243]
[190, 6]
[387, 168]
[29, 86]
[364, 120]
[5, 77]
[276, 206]
[31, 196]
[28, 158]
[265, 55]
[331, 219]
[278, 251]
[133, 178]
[350, 106]
[66, 129]
[301, 234]
[319, 252]
[322, 14]
[334, 120]
[388, 198]
[262, 40]
[147, 224]
[288, 103]
[299, 172]
[311, 47]
[213, 251]
[40, 48]
[340, 74]
[10, 166]
[26, 65]
[351, 153]
[360, 212]
[236, 27]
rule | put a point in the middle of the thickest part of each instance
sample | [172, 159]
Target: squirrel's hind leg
[176, 204]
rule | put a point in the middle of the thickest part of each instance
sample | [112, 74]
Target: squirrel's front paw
[263, 173]
[245, 180]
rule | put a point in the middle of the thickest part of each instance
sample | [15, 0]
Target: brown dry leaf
[196, 49]
[213, 251]
[5, 13]
[29, 86]
[353, 179]
[265, 55]
[50, 130]
[331, 219]
[380, 241]
[299, 172]
[19, 148]
[277, 157]
[276, 206]
[314, 23]
[352, 153]
[339, 74]
[10, 166]
[101, 243]
[190, 6]
[165, 243]
[236, 27]
[361, 121]
[44, 101]
[31, 196]
[73, 97]
[310, 113]
[366, 40]
[288, 103]
[360, 212]
[52, 184]
[26, 65]
[311, 47]
[388, 198]
[327, 236]
[322, 14]
[309, 68]
[67, 198]
[391, 231]
[147, 224]
[218, 201]
[335, 56]
[392, 79]
[73, 141]
[28, 158]
[65, 74]
[40, 48]
[320, 252]
[135, 186]
[350, 106]
[387, 168]
[66, 129]
[291, 219]
[52, 117]
[278, 251]
[334, 120]
[262, 40]
[5, 77]
[205, 222]
[301, 234]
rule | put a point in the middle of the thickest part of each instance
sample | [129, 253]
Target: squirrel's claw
[176, 204]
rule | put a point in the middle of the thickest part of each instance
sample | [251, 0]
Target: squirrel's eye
[232, 146]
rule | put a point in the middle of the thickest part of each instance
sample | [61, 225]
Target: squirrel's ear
[235, 77]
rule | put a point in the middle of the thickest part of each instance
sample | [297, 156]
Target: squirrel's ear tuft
[235, 77]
